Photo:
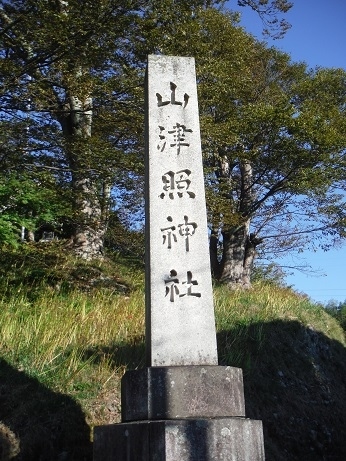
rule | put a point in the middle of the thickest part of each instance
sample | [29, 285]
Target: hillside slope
[64, 347]
[297, 385]
[293, 358]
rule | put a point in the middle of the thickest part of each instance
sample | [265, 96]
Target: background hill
[69, 330]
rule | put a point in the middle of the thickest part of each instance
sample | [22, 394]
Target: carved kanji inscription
[176, 184]
[178, 288]
[172, 100]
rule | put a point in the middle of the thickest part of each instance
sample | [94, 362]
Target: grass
[266, 303]
[78, 327]
[78, 342]
[241, 317]
[59, 338]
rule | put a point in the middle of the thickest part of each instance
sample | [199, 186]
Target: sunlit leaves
[273, 135]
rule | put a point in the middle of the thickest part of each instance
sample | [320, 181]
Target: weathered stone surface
[121, 442]
[223, 439]
[182, 392]
[183, 407]
[180, 327]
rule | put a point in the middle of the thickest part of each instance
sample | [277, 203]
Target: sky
[317, 37]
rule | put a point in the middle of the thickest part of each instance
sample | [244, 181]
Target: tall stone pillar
[179, 301]
[182, 406]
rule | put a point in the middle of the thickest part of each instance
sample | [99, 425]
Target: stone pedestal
[182, 392]
[219, 439]
[183, 413]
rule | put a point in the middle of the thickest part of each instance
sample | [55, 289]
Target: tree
[58, 58]
[73, 72]
[27, 202]
[273, 138]
[337, 310]
[274, 144]
[28, 198]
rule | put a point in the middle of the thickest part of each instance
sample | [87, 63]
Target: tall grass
[74, 326]
[63, 338]
[80, 342]
[242, 315]
[57, 337]
[265, 303]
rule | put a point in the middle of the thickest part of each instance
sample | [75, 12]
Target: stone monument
[182, 406]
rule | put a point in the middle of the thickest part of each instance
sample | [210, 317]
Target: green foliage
[27, 201]
[270, 274]
[273, 135]
[72, 91]
[33, 268]
[73, 107]
[338, 311]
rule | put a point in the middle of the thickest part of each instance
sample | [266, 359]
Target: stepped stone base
[182, 392]
[182, 413]
[220, 439]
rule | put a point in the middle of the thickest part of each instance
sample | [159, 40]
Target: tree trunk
[90, 198]
[233, 257]
[90, 225]
[249, 259]
[213, 251]
[30, 236]
[239, 246]
[239, 252]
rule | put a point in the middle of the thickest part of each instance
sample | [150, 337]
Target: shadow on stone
[295, 382]
[38, 424]
[210, 439]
